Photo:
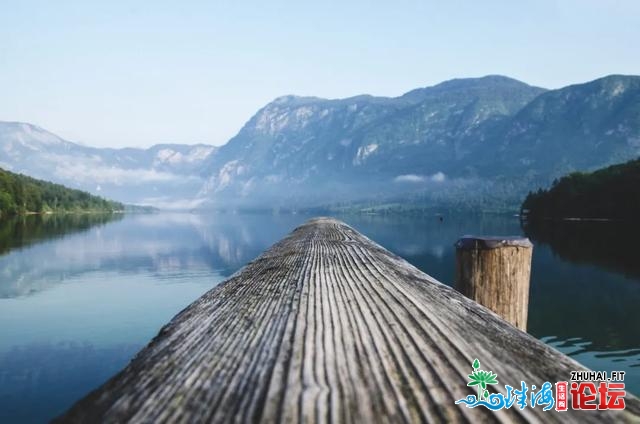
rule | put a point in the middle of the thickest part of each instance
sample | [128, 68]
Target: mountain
[480, 142]
[298, 151]
[579, 127]
[166, 175]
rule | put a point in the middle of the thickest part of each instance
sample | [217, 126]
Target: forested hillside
[612, 193]
[20, 194]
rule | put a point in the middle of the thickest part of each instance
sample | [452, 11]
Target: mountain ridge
[475, 141]
[351, 145]
[158, 176]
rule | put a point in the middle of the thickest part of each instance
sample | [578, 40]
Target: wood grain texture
[327, 326]
[495, 272]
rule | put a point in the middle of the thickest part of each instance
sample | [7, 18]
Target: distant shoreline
[571, 219]
[49, 213]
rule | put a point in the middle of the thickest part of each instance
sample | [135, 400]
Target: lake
[80, 295]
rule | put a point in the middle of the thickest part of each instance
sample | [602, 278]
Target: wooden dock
[328, 326]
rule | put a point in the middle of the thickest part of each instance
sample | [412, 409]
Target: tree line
[611, 193]
[20, 194]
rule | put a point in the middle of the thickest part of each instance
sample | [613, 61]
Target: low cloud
[438, 177]
[167, 203]
[101, 174]
[409, 178]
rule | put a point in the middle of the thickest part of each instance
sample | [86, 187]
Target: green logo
[495, 401]
[481, 378]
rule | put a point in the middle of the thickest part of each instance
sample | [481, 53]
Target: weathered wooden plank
[328, 326]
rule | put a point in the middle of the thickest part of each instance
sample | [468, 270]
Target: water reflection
[95, 292]
[25, 230]
[611, 245]
[585, 293]
[161, 244]
[595, 285]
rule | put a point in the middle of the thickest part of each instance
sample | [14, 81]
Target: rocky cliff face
[309, 150]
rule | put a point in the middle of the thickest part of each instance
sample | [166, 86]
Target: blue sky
[135, 73]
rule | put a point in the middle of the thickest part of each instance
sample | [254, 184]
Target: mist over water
[79, 297]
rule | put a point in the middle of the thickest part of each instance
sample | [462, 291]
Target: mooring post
[495, 272]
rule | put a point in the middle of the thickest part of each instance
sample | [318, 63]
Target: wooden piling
[495, 272]
[327, 326]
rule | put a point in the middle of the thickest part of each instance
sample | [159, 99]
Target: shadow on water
[611, 245]
[23, 231]
[593, 291]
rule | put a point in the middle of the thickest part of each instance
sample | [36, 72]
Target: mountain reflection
[160, 244]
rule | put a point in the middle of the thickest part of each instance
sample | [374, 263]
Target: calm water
[80, 295]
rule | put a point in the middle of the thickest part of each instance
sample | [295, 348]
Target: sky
[136, 73]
